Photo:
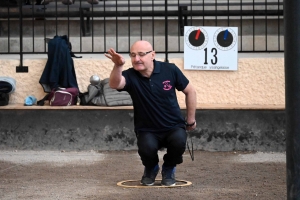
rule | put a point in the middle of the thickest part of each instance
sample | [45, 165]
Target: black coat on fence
[59, 70]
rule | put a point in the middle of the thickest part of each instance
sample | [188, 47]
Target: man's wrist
[191, 124]
[117, 66]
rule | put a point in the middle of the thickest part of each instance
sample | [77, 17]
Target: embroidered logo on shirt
[167, 85]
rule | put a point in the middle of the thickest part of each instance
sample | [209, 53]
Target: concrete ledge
[112, 129]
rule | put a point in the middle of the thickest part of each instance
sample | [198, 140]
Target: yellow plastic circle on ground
[136, 184]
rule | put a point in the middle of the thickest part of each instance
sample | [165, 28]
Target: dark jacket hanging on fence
[59, 70]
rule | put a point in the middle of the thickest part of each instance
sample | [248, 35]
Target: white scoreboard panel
[210, 48]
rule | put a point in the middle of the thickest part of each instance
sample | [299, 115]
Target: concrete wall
[258, 82]
[239, 110]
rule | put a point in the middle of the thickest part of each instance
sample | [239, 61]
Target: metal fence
[94, 28]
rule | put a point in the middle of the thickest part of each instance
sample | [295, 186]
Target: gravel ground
[94, 175]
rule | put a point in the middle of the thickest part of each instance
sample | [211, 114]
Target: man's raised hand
[115, 57]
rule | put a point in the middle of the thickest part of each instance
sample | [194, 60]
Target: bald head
[141, 46]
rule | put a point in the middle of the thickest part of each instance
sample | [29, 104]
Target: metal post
[21, 68]
[292, 94]
[166, 30]
[21, 32]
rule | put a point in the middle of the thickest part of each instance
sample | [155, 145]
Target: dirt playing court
[48, 175]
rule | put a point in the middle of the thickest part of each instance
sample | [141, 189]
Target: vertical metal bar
[292, 94]
[117, 21]
[141, 16]
[166, 30]
[216, 15]
[241, 24]
[129, 35]
[8, 32]
[56, 18]
[153, 34]
[266, 25]
[278, 22]
[180, 21]
[45, 34]
[191, 4]
[88, 23]
[180, 24]
[81, 24]
[68, 20]
[21, 33]
[185, 21]
[228, 21]
[104, 28]
[21, 68]
[32, 22]
[92, 27]
[203, 18]
[253, 23]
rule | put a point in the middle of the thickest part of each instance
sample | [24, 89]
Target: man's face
[141, 57]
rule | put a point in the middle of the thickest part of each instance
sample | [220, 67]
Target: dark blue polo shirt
[154, 99]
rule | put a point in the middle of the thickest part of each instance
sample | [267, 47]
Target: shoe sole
[147, 184]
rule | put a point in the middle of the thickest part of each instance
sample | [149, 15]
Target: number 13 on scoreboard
[210, 48]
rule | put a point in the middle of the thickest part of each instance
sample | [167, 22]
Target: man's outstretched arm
[116, 80]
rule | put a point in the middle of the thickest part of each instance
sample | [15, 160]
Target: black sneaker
[149, 176]
[168, 176]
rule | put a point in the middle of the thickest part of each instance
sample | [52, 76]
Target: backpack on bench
[100, 94]
[7, 86]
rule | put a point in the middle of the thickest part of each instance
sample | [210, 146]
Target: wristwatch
[192, 124]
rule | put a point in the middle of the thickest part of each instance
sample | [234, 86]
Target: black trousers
[149, 144]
